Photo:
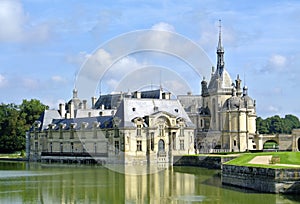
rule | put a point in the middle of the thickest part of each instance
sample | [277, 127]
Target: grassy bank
[13, 155]
[287, 158]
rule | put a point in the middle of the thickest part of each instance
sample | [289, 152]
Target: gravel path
[261, 160]
[266, 160]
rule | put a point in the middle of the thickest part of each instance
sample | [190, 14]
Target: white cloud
[77, 59]
[278, 61]
[58, 79]
[15, 25]
[162, 26]
[3, 81]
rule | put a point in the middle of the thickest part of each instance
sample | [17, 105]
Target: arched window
[161, 146]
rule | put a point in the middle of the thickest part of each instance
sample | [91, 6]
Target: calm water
[36, 183]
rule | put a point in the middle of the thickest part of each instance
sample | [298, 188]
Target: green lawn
[285, 158]
[12, 155]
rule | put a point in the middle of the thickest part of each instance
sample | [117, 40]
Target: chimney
[84, 104]
[94, 99]
[71, 109]
[137, 94]
[62, 110]
[166, 95]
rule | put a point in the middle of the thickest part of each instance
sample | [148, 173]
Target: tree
[31, 110]
[277, 125]
[262, 126]
[290, 122]
[12, 129]
[15, 121]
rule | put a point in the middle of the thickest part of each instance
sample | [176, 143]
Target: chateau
[225, 115]
[149, 126]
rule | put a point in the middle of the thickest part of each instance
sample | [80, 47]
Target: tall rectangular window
[36, 146]
[161, 130]
[181, 133]
[95, 147]
[174, 140]
[181, 144]
[139, 145]
[116, 132]
[51, 147]
[138, 130]
[60, 134]
[61, 147]
[35, 134]
[72, 147]
[117, 147]
[50, 134]
[83, 147]
[152, 141]
[71, 134]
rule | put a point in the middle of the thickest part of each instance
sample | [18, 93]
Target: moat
[37, 183]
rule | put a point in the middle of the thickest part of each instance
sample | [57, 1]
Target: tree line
[15, 120]
[276, 124]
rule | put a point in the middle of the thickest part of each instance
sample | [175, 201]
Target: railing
[162, 154]
[74, 154]
[209, 151]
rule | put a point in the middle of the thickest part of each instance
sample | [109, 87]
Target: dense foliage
[275, 124]
[15, 120]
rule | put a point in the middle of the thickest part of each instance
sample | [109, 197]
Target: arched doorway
[298, 144]
[271, 144]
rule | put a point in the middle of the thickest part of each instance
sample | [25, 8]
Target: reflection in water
[94, 184]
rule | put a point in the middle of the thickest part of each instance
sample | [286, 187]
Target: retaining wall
[210, 162]
[262, 179]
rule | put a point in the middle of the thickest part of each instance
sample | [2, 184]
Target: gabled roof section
[46, 118]
[131, 108]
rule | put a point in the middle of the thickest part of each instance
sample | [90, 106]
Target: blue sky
[45, 42]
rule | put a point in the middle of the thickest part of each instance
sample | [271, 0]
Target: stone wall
[210, 162]
[262, 179]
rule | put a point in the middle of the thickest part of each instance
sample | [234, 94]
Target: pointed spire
[220, 52]
[220, 37]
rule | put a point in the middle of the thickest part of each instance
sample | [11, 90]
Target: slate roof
[131, 108]
[46, 118]
[111, 101]
[104, 122]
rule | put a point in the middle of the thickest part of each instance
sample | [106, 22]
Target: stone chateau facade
[140, 127]
[149, 126]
